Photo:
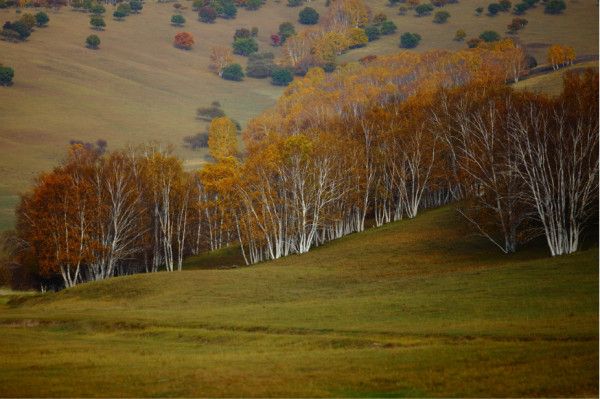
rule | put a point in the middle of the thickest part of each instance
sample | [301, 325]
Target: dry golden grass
[137, 87]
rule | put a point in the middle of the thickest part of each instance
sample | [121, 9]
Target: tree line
[370, 143]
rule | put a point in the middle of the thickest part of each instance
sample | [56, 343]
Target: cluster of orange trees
[370, 143]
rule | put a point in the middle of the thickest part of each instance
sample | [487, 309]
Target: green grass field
[139, 88]
[415, 308]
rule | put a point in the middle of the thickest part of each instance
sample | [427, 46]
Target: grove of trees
[377, 141]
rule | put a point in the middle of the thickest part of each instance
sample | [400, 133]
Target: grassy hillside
[551, 83]
[418, 307]
[139, 88]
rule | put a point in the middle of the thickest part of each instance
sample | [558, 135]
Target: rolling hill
[415, 308]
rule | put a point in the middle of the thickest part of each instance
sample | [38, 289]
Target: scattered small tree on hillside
[119, 15]
[555, 7]
[409, 40]
[505, 5]
[245, 46]
[489, 36]
[281, 76]
[207, 14]
[6, 75]
[441, 17]
[92, 41]
[184, 40]
[308, 16]
[98, 9]
[286, 30]
[253, 5]
[136, 6]
[177, 20]
[516, 25]
[388, 27]
[372, 32]
[41, 19]
[124, 8]
[494, 9]
[233, 72]
[28, 20]
[97, 22]
[423, 9]
[295, 3]
[460, 35]
[479, 11]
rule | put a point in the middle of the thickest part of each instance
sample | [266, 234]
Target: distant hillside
[416, 308]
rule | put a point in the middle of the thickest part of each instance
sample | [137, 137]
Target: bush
[281, 76]
[229, 10]
[6, 75]
[97, 9]
[97, 22]
[207, 14]
[479, 11]
[92, 41]
[242, 33]
[372, 32]
[295, 3]
[41, 19]
[245, 46]
[253, 5]
[124, 8]
[308, 16]
[183, 40]
[494, 9]
[233, 72]
[388, 28]
[520, 8]
[28, 20]
[555, 7]
[409, 40]
[260, 65]
[489, 36]
[505, 5]
[286, 30]
[119, 15]
[15, 31]
[423, 9]
[136, 6]
[379, 18]
[460, 35]
[177, 20]
[441, 17]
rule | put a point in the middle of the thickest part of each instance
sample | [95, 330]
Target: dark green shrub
[92, 41]
[441, 17]
[423, 9]
[308, 16]
[119, 15]
[245, 46]
[388, 27]
[97, 22]
[6, 75]
[281, 76]
[233, 72]
[97, 9]
[494, 9]
[295, 3]
[286, 30]
[124, 8]
[409, 40]
[253, 5]
[372, 32]
[41, 19]
[555, 7]
[136, 6]
[490, 36]
[177, 20]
